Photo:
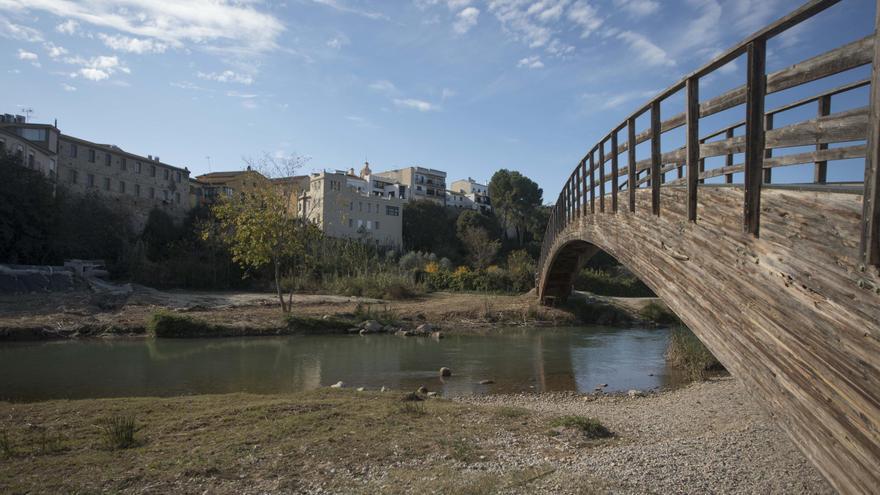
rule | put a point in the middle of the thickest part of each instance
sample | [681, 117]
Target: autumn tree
[480, 247]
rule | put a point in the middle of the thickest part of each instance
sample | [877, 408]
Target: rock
[432, 394]
[404, 333]
[326, 317]
[354, 330]
[425, 328]
[487, 382]
[437, 335]
[423, 390]
[635, 393]
[389, 329]
[360, 389]
[601, 385]
[372, 326]
[383, 389]
[337, 385]
[444, 371]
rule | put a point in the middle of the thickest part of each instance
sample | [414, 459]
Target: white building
[469, 194]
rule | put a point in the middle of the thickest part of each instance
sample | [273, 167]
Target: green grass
[165, 324]
[590, 427]
[7, 449]
[658, 313]
[384, 315]
[511, 412]
[118, 431]
[687, 353]
[605, 284]
[311, 324]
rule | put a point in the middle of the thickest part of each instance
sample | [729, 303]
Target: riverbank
[89, 314]
[706, 437]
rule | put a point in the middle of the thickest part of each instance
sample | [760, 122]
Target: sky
[465, 86]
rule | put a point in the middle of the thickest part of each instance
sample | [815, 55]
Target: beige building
[225, 185]
[338, 202]
[469, 194]
[39, 155]
[420, 183]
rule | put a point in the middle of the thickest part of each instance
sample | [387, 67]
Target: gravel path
[710, 437]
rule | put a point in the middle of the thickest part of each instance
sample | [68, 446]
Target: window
[30, 160]
[122, 187]
[177, 198]
[418, 188]
[108, 159]
[165, 172]
[137, 190]
[91, 156]
[106, 183]
[73, 151]
[33, 134]
[90, 180]
[377, 225]
[350, 223]
[152, 193]
[123, 164]
[360, 206]
[369, 224]
[351, 206]
[392, 211]
[137, 167]
[152, 170]
[73, 176]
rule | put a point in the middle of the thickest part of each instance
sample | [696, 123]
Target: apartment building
[341, 206]
[214, 186]
[36, 147]
[419, 183]
[469, 194]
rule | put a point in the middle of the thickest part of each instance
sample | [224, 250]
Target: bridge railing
[579, 195]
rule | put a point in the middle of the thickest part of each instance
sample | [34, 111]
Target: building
[419, 183]
[458, 200]
[133, 182]
[340, 204]
[476, 195]
[225, 185]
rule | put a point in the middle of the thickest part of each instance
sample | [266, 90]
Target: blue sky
[466, 86]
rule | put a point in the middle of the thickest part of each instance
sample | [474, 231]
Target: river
[515, 359]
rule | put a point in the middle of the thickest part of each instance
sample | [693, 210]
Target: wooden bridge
[781, 282]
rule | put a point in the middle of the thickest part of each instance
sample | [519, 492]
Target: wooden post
[728, 178]
[702, 164]
[577, 191]
[592, 185]
[870, 241]
[693, 144]
[820, 170]
[631, 163]
[602, 177]
[583, 183]
[756, 86]
[655, 157]
[614, 171]
[768, 153]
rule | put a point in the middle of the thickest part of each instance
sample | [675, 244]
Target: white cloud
[18, 32]
[638, 8]
[533, 62]
[584, 16]
[457, 4]
[67, 27]
[234, 27]
[236, 94]
[54, 50]
[132, 45]
[249, 104]
[447, 93]
[96, 68]
[26, 55]
[466, 19]
[93, 74]
[67, 87]
[344, 8]
[420, 105]
[338, 41]
[645, 50]
[227, 76]
[383, 86]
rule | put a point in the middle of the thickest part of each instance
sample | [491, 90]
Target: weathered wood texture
[790, 312]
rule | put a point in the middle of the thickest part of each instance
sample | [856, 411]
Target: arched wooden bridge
[781, 282]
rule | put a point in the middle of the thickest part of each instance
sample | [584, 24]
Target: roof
[116, 149]
[31, 143]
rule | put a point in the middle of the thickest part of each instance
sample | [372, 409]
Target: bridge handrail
[860, 124]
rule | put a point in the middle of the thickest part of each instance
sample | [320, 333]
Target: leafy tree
[27, 212]
[516, 199]
[160, 234]
[429, 227]
[263, 228]
[469, 219]
[481, 249]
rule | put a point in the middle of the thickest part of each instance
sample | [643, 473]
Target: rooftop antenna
[209, 163]
[27, 111]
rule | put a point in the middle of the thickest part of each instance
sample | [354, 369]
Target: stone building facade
[421, 183]
[39, 155]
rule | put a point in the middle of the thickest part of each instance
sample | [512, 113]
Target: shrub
[686, 352]
[119, 431]
[445, 264]
[658, 313]
[366, 312]
[521, 268]
[432, 267]
[310, 324]
[7, 449]
[382, 285]
[412, 408]
[603, 283]
[590, 427]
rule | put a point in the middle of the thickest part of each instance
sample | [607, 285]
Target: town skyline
[438, 84]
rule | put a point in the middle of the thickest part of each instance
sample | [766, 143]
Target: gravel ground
[710, 437]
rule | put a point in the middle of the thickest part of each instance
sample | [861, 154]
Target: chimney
[150, 157]
[157, 158]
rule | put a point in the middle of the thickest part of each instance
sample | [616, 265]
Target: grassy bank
[687, 353]
[340, 440]
[166, 324]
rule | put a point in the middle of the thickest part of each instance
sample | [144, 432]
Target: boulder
[371, 326]
[487, 382]
[432, 394]
[635, 393]
[444, 371]
[423, 389]
[354, 330]
[425, 328]
[389, 329]
[383, 389]
[337, 385]
[360, 389]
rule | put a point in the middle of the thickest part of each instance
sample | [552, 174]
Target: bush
[119, 431]
[590, 427]
[658, 313]
[366, 312]
[686, 352]
[310, 324]
[603, 283]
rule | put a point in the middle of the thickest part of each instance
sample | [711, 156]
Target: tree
[516, 199]
[429, 227]
[481, 249]
[27, 212]
[469, 219]
[263, 228]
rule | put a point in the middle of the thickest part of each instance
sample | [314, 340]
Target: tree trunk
[278, 286]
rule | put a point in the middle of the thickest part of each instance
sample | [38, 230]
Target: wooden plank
[692, 99]
[768, 152]
[614, 172]
[583, 183]
[869, 244]
[728, 179]
[602, 176]
[592, 185]
[655, 157]
[631, 163]
[756, 84]
[820, 169]
[702, 163]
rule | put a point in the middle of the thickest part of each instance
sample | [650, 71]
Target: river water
[516, 359]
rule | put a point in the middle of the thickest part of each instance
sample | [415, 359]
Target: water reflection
[516, 360]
